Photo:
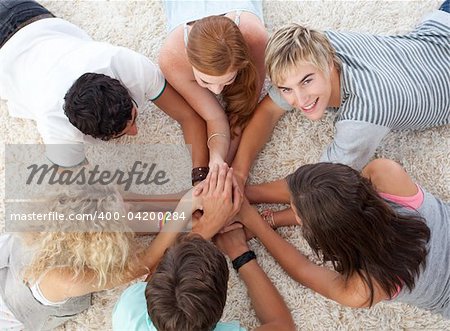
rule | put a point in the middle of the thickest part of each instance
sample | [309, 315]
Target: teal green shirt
[130, 312]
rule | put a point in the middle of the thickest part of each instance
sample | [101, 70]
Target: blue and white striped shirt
[401, 82]
[387, 83]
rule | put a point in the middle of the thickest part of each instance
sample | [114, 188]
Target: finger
[228, 189]
[205, 183]
[236, 182]
[223, 170]
[237, 199]
[213, 179]
[231, 227]
[198, 189]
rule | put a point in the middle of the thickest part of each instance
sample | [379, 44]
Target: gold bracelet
[215, 135]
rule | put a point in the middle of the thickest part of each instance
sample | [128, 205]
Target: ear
[331, 64]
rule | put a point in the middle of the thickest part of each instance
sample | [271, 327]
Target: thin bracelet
[163, 221]
[243, 259]
[267, 216]
[215, 135]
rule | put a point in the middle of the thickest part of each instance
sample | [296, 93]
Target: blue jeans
[445, 6]
[14, 13]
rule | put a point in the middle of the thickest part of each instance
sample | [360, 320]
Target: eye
[285, 90]
[306, 82]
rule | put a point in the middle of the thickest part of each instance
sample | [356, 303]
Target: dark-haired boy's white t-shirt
[130, 312]
[41, 62]
[387, 83]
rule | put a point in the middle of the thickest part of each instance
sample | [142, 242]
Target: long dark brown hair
[215, 47]
[346, 220]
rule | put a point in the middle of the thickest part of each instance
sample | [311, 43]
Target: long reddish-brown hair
[215, 47]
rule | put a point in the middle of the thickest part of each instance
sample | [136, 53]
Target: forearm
[269, 306]
[192, 124]
[285, 217]
[273, 192]
[194, 133]
[255, 135]
[218, 139]
[158, 202]
[170, 231]
[284, 253]
[324, 281]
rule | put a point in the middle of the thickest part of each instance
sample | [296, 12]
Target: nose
[299, 98]
[133, 130]
[216, 89]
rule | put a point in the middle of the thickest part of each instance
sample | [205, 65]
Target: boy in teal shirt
[189, 287]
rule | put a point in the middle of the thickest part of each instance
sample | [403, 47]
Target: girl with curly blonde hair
[47, 274]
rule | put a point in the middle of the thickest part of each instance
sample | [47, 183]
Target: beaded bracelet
[267, 216]
[243, 259]
[163, 221]
[199, 174]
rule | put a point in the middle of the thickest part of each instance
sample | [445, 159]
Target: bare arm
[255, 135]
[266, 300]
[324, 281]
[193, 126]
[273, 192]
[178, 72]
[60, 284]
[256, 36]
[389, 177]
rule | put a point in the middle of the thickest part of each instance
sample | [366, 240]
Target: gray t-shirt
[432, 287]
[388, 83]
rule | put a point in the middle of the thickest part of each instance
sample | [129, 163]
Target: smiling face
[214, 83]
[310, 90]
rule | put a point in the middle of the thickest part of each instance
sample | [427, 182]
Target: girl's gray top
[18, 297]
[432, 287]
[181, 12]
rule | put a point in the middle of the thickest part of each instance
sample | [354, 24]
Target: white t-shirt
[41, 62]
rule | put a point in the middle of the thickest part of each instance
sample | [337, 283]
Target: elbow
[192, 121]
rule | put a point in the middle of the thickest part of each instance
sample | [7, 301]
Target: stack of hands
[219, 205]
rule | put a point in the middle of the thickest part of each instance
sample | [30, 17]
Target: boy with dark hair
[101, 107]
[49, 66]
[188, 290]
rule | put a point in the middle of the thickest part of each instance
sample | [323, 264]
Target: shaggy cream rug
[426, 155]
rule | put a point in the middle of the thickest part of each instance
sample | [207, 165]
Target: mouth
[311, 107]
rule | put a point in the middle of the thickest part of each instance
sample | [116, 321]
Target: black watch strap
[243, 259]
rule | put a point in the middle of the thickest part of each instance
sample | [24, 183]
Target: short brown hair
[188, 290]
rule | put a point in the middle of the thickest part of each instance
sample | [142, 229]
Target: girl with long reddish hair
[216, 47]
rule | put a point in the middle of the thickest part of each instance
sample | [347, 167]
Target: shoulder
[173, 51]
[389, 177]
[253, 30]
[130, 311]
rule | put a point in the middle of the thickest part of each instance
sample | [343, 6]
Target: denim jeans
[445, 6]
[14, 13]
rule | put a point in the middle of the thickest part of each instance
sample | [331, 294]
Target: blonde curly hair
[101, 245]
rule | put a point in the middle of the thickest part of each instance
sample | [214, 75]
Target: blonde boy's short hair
[295, 44]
